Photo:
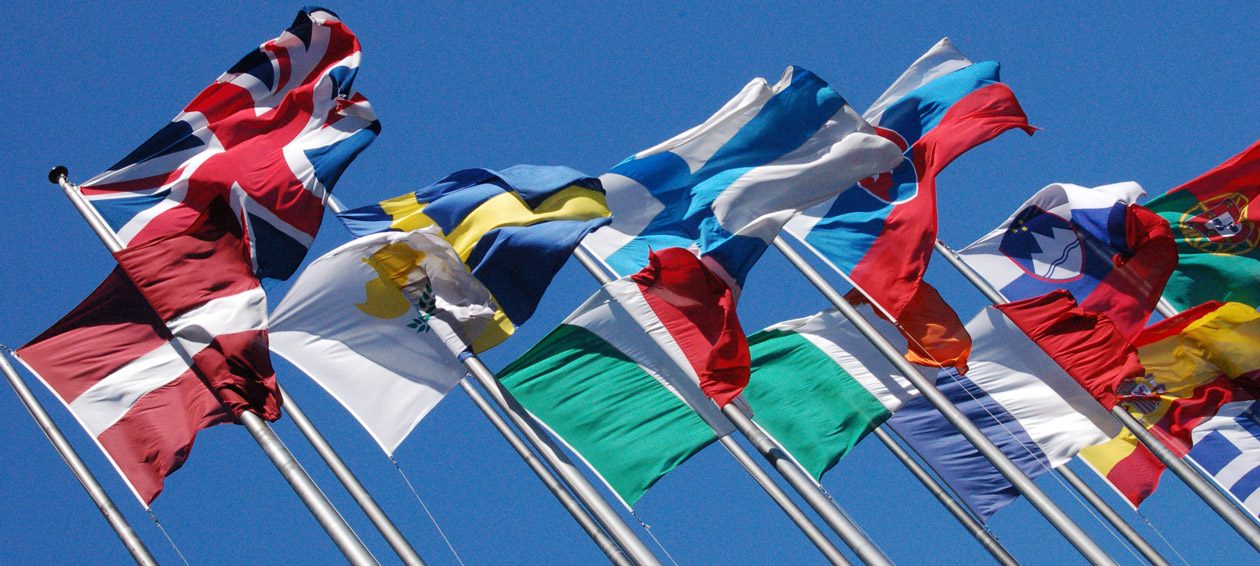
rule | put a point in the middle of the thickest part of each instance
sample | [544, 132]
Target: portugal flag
[1216, 234]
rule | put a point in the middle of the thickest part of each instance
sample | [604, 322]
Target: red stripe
[1137, 475]
[1129, 293]
[894, 265]
[238, 367]
[141, 184]
[154, 438]
[182, 272]
[698, 310]
[1170, 327]
[1241, 173]
[108, 330]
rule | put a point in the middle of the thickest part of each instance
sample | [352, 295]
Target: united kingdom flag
[272, 135]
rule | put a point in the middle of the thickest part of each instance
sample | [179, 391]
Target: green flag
[1216, 234]
[819, 387]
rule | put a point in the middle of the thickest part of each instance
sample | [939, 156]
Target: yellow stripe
[407, 213]
[1104, 457]
[494, 334]
[508, 209]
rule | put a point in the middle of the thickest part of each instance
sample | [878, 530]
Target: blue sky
[1156, 95]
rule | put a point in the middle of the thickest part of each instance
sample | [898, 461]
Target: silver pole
[606, 544]
[592, 528]
[1232, 515]
[829, 510]
[1070, 530]
[846, 528]
[116, 521]
[1197, 483]
[569, 474]
[360, 494]
[327, 516]
[956, 509]
[1128, 532]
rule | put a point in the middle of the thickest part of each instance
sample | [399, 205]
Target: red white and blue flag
[271, 136]
[881, 233]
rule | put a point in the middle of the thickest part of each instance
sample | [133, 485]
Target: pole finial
[57, 174]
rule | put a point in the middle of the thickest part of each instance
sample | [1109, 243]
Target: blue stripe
[1214, 452]
[172, 138]
[331, 161]
[1246, 485]
[278, 254]
[785, 122]
[117, 212]
[921, 110]
[976, 481]
[366, 220]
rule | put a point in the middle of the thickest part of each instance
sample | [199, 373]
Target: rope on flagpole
[426, 510]
[1161, 536]
[153, 516]
[648, 528]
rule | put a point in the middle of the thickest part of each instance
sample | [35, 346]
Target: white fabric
[834, 336]
[1056, 412]
[621, 316]
[1064, 254]
[386, 373]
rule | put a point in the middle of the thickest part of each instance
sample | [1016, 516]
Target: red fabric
[1129, 293]
[1137, 475]
[892, 270]
[698, 309]
[935, 337]
[185, 271]
[1086, 344]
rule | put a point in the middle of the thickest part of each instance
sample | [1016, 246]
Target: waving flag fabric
[1113, 256]
[1197, 394]
[727, 186]
[114, 363]
[513, 228]
[624, 379]
[271, 136]
[819, 387]
[1216, 234]
[881, 232]
[1019, 396]
[378, 323]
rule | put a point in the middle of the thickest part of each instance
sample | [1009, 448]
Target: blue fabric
[784, 123]
[980, 486]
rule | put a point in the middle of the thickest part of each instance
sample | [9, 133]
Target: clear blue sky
[1155, 95]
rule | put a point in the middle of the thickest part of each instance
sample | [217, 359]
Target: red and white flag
[118, 360]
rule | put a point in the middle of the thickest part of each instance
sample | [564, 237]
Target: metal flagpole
[572, 477]
[102, 500]
[1127, 531]
[324, 512]
[613, 550]
[360, 494]
[1231, 514]
[955, 508]
[797, 478]
[1069, 529]
[592, 528]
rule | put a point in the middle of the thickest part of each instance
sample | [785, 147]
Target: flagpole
[625, 538]
[103, 502]
[592, 528]
[955, 508]
[1213, 498]
[1061, 522]
[360, 494]
[569, 474]
[827, 509]
[301, 483]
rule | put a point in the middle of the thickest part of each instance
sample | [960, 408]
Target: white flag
[378, 323]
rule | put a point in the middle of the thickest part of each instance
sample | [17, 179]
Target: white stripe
[109, 399]
[635, 208]
[942, 59]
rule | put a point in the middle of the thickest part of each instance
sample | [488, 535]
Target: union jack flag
[272, 135]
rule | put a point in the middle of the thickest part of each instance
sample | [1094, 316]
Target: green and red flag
[1216, 234]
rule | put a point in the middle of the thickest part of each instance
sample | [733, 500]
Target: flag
[880, 234]
[728, 185]
[116, 361]
[1216, 234]
[271, 137]
[1020, 398]
[623, 380]
[1202, 378]
[1112, 255]
[818, 386]
[378, 323]
[514, 229]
